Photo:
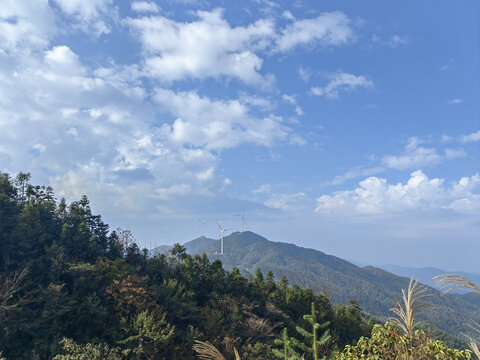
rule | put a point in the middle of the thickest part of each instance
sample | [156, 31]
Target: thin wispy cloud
[455, 101]
[332, 28]
[145, 6]
[341, 82]
[416, 155]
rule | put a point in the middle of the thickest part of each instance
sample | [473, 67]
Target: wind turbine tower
[242, 216]
[222, 230]
[201, 226]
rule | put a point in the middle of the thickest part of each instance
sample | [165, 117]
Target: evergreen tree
[311, 336]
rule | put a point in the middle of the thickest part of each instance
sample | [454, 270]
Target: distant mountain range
[426, 274]
[375, 289]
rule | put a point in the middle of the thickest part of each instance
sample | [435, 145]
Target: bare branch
[9, 287]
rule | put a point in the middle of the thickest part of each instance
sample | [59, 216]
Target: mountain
[375, 289]
[426, 274]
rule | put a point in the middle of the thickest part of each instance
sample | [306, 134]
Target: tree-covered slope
[376, 290]
[67, 281]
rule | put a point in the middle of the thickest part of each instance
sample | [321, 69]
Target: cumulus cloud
[332, 28]
[376, 196]
[25, 25]
[98, 131]
[341, 82]
[475, 136]
[217, 124]
[210, 47]
[206, 47]
[91, 134]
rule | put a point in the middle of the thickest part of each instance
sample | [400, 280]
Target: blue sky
[349, 127]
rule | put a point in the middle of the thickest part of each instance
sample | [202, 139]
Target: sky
[345, 126]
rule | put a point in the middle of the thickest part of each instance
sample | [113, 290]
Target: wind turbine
[201, 226]
[166, 235]
[242, 215]
[222, 230]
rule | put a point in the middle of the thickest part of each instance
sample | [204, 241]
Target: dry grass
[451, 281]
[207, 351]
[474, 346]
[406, 313]
[448, 282]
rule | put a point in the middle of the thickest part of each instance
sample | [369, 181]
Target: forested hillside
[70, 284]
[374, 289]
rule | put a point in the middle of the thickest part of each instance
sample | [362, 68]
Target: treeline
[66, 280]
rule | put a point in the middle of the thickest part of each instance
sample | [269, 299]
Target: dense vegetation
[374, 289]
[69, 284]
[70, 289]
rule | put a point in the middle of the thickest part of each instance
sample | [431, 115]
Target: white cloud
[454, 153]
[375, 196]
[355, 173]
[92, 16]
[263, 189]
[288, 15]
[327, 29]
[93, 135]
[207, 47]
[455, 101]
[217, 124]
[341, 82]
[210, 47]
[25, 25]
[304, 73]
[96, 131]
[288, 201]
[475, 136]
[144, 6]
[61, 59]
[180, 189]
[292, 99]
[392, 41]
[448, 66]
[417, 156]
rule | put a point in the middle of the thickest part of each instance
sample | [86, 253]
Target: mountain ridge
[375, 289]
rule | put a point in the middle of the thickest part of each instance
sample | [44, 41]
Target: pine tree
[311, 336]
[288, 352]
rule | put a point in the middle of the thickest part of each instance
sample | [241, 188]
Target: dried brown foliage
[131, 296]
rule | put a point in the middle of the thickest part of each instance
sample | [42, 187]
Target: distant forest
[72, 289]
